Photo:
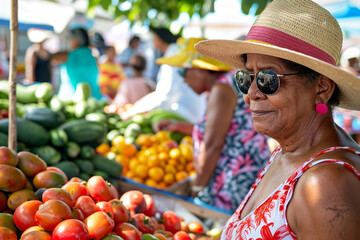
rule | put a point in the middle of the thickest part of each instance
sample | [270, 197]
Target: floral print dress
[268, 221]
[244, 155]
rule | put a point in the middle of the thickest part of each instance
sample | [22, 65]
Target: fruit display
[39, 202]
[157, 161]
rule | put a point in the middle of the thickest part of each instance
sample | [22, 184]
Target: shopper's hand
[163, 125]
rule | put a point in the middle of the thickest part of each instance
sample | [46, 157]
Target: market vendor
[229, 154]
[171, 92]
[79, 65]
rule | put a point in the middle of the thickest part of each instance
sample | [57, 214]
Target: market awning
[38, 14]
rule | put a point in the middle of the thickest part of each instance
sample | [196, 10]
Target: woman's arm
[219, 113]
[329, 198]
[59, 57]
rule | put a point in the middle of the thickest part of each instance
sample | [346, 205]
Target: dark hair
[134, 39]
[140, 63]
[311, 76]
[81, 35]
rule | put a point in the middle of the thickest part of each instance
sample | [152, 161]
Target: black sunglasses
[267, 81]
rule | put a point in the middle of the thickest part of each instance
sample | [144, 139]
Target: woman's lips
[259, 113]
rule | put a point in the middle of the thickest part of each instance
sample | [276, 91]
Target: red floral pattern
[268, 221]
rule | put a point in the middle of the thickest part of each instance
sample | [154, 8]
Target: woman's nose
[254, 92]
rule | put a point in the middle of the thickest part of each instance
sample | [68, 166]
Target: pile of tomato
[38, 202]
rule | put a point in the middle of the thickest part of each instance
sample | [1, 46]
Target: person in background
[111, 74]
[136, 87]
[4, 58]
[38, 66]
[229, 154]
[350, 60]
[125, 56]
[79, 65]
[171, 93]
[98, 45]
[290, 80]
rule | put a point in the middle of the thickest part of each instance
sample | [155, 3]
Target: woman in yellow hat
[290, 81]
[229, 154]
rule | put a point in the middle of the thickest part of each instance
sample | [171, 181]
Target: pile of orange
[160, 161]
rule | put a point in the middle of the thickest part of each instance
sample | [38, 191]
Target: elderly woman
[229, 154]
[289, 78]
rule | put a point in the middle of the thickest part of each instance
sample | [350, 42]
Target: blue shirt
[80, 66]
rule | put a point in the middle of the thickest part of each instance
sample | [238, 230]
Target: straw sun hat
[38, 35]
[297, 30]
[189, 58]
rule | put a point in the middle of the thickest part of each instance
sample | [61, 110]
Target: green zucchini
[82, 92]
[85, 166]
[103, 174]
[28, 132]
[69, 168]
[47, 153]
[4, 141]
[87, 152]
[56, 104]
[72, 149]
[44, 92]
[58, 137]
[45, 117]
[84, 132]
[114, 169]
[4, 104]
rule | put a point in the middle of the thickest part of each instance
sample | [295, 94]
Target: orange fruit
[162, 136]
[133, 163]
[162, 185]
[189, 167]
[169, 178]
[162, 148]
[180, 167]
[130, 174]
[141, 170]
[186, 151]
[164, 156]
[154, 139]
[118, 141]
[103, 148]
[173, 162]
[153, 161]
[150, 182]
[128, 150]
[187, 140]
[181, 175]
[182, 161]
[150, 151]
[144, 140]
[170, 169]
[175, 153]
[193, 172]
[156, 173]
[139, 180]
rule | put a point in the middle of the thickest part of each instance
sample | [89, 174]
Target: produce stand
[203, 210]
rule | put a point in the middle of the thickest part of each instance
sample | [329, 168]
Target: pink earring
[321, 108]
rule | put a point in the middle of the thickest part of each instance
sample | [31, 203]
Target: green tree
[163, 12]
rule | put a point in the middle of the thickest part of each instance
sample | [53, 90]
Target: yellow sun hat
[188, 57]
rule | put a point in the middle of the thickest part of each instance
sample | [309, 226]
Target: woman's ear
[325, 89]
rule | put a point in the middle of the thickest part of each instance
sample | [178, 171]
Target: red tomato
[8, 156]
[76, 189]
[196, 227]
[37, 235]
[99, 189]
[70, 229]
[181, 235]
[48, 179]
[51, 213]
[171, 222]
[127, 231]
[56, 169]
[59, 194]
[7, 220]
[115, 191]
[4, 113]
[150, 206]
[76, 179]
[30, 163]
[106, 208]
[144, 223]
[134, 201]
[77, 214]
[99, 224]
[33, 229]
[7, 233]
[3, 201]
[86, 204]
[121, 214]
[24, 216]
